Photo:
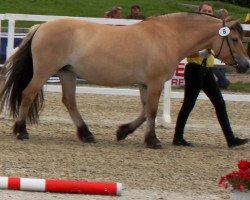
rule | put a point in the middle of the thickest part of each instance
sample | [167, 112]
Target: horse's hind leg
[68, 81]
[28, 97]
[20, 130]
[125, 129]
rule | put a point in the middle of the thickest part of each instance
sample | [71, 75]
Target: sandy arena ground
[55, 152]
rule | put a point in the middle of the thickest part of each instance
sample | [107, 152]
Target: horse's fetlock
[19, 127]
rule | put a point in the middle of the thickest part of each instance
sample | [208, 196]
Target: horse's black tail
[18, 72]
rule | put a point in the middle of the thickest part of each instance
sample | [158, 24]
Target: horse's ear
[228, 19]
[232, 23]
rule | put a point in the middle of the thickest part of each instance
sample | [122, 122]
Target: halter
[228, 43]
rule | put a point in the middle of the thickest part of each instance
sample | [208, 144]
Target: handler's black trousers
[199, 78]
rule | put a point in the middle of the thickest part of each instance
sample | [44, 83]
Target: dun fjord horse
[145, 54]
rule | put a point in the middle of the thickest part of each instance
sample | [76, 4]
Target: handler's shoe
[237, 142]
[182, 142]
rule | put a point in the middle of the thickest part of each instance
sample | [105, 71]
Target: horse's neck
[193, 32]
[193, 39]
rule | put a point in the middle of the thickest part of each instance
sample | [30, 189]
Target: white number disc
[224, 31]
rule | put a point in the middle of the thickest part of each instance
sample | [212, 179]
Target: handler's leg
[213, 92]
[193, 82]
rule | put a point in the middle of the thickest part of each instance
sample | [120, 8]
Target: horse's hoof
[155, 146]
[120, 135]
[23, 137]
[85, 135]
[153, 143]
[123, 131]
[89, 139]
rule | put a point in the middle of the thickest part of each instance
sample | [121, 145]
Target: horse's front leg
[125, 129]
[154, 92]
[68, 81]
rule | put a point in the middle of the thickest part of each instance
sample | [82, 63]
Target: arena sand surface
[55, 152]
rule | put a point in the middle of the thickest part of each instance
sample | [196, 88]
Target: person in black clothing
[247, 33]
[222, 80]
[199, 76]
[135, 13]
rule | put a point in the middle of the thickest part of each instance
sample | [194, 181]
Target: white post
[166, 118]
[0, 33]
[11, 33]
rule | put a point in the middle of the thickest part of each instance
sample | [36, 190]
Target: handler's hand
[204, 53]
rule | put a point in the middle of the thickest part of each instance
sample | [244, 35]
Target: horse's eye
[234, 39]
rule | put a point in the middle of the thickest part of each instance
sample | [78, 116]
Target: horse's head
[228, 46]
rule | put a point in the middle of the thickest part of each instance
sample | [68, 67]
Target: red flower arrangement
[239, 180]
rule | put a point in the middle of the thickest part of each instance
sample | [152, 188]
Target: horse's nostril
[248, 64]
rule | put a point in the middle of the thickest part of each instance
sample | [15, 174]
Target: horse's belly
[110, 77]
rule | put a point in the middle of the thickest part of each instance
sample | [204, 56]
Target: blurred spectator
[115, 12]
[220, 72]
[135, 13]
[247, 17]
[247, 33]
[223, 13]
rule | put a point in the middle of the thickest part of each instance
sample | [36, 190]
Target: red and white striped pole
[64, 186]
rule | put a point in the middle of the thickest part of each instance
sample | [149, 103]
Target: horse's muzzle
[242, 64]
[241, 69]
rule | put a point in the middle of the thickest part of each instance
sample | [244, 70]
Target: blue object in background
[17, 42]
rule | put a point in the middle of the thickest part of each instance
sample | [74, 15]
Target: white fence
[166, 118]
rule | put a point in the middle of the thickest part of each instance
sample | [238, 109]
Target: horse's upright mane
[182, 15]
[195, 15]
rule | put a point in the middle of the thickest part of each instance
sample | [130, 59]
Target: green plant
[239, 87]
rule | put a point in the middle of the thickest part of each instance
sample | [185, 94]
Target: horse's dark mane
[239, 28]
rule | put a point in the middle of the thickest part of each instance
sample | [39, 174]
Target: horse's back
[63, 29]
